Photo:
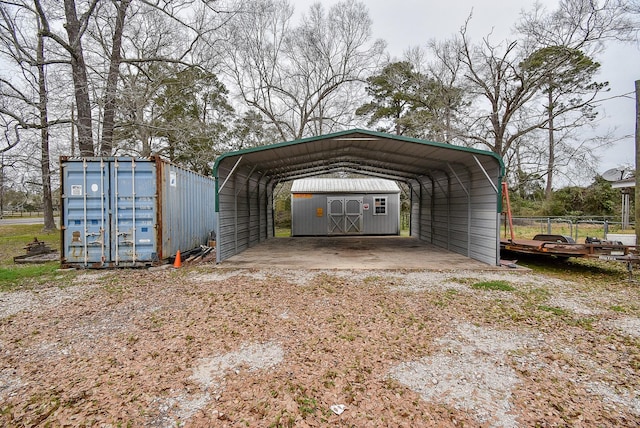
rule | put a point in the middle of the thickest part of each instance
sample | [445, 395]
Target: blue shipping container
[125, 212]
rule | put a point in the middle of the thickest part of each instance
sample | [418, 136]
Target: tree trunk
[47, 200]
[106, 146]
[80, 81]
[548, 191]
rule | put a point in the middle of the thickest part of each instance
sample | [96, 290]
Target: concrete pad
[351, 252]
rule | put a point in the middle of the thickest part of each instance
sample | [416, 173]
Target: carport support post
[432, 196]
[420, 212]
[410, 209]
[247, 186]
[446, 194]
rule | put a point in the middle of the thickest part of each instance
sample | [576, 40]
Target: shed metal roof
[344, 185]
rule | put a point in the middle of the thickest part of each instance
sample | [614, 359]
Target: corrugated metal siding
[85, 223]
[188, 208]
[485, 245]
[383, 224]
[134, 212]
[306, 221]
[227, 220]
[122, 211]
[443, 213]
[248, 217]
[304, 218]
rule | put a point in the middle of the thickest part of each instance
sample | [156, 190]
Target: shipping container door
[86, 209]
[133, 208]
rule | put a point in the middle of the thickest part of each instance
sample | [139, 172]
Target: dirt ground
[205, 346]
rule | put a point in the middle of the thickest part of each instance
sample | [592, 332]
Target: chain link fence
[578, 228]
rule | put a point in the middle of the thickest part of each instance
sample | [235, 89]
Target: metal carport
[455, 191]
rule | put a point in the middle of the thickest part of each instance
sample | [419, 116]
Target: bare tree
[563, 43]
[501, 89]
[75, 28]
[27, 52]
[294, 75]
[446, 70]
[45, 164]
[541, 81]
[578, 24]
[160, 41]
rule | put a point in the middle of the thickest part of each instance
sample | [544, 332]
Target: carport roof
[360, 151]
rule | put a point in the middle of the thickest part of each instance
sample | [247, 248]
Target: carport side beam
[486, 174]
[230, 174]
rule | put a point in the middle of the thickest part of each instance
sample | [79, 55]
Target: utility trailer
[563, 247]
[603, 250]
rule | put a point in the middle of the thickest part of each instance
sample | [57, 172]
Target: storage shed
[345, 206]
[455, 192]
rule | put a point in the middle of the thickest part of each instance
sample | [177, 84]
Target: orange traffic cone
[177, 263]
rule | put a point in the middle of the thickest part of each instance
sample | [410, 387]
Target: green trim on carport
[365, 132]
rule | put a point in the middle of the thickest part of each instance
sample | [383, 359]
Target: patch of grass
[12, 277]
[13, 239]
[329, 379]
[499, 285]
[447, 297]
[554, 310]
[283, 232]
[284, 419]
[328, 283]
[307, 405]
[464, 281]
[371, 280]
[533, 297]
[586, 323]
[593, 272]
[44, 405]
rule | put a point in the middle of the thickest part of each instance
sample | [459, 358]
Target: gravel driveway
[204, 346]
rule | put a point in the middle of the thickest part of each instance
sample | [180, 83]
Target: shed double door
[345, 215]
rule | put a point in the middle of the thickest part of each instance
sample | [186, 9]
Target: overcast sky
[409, 23]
